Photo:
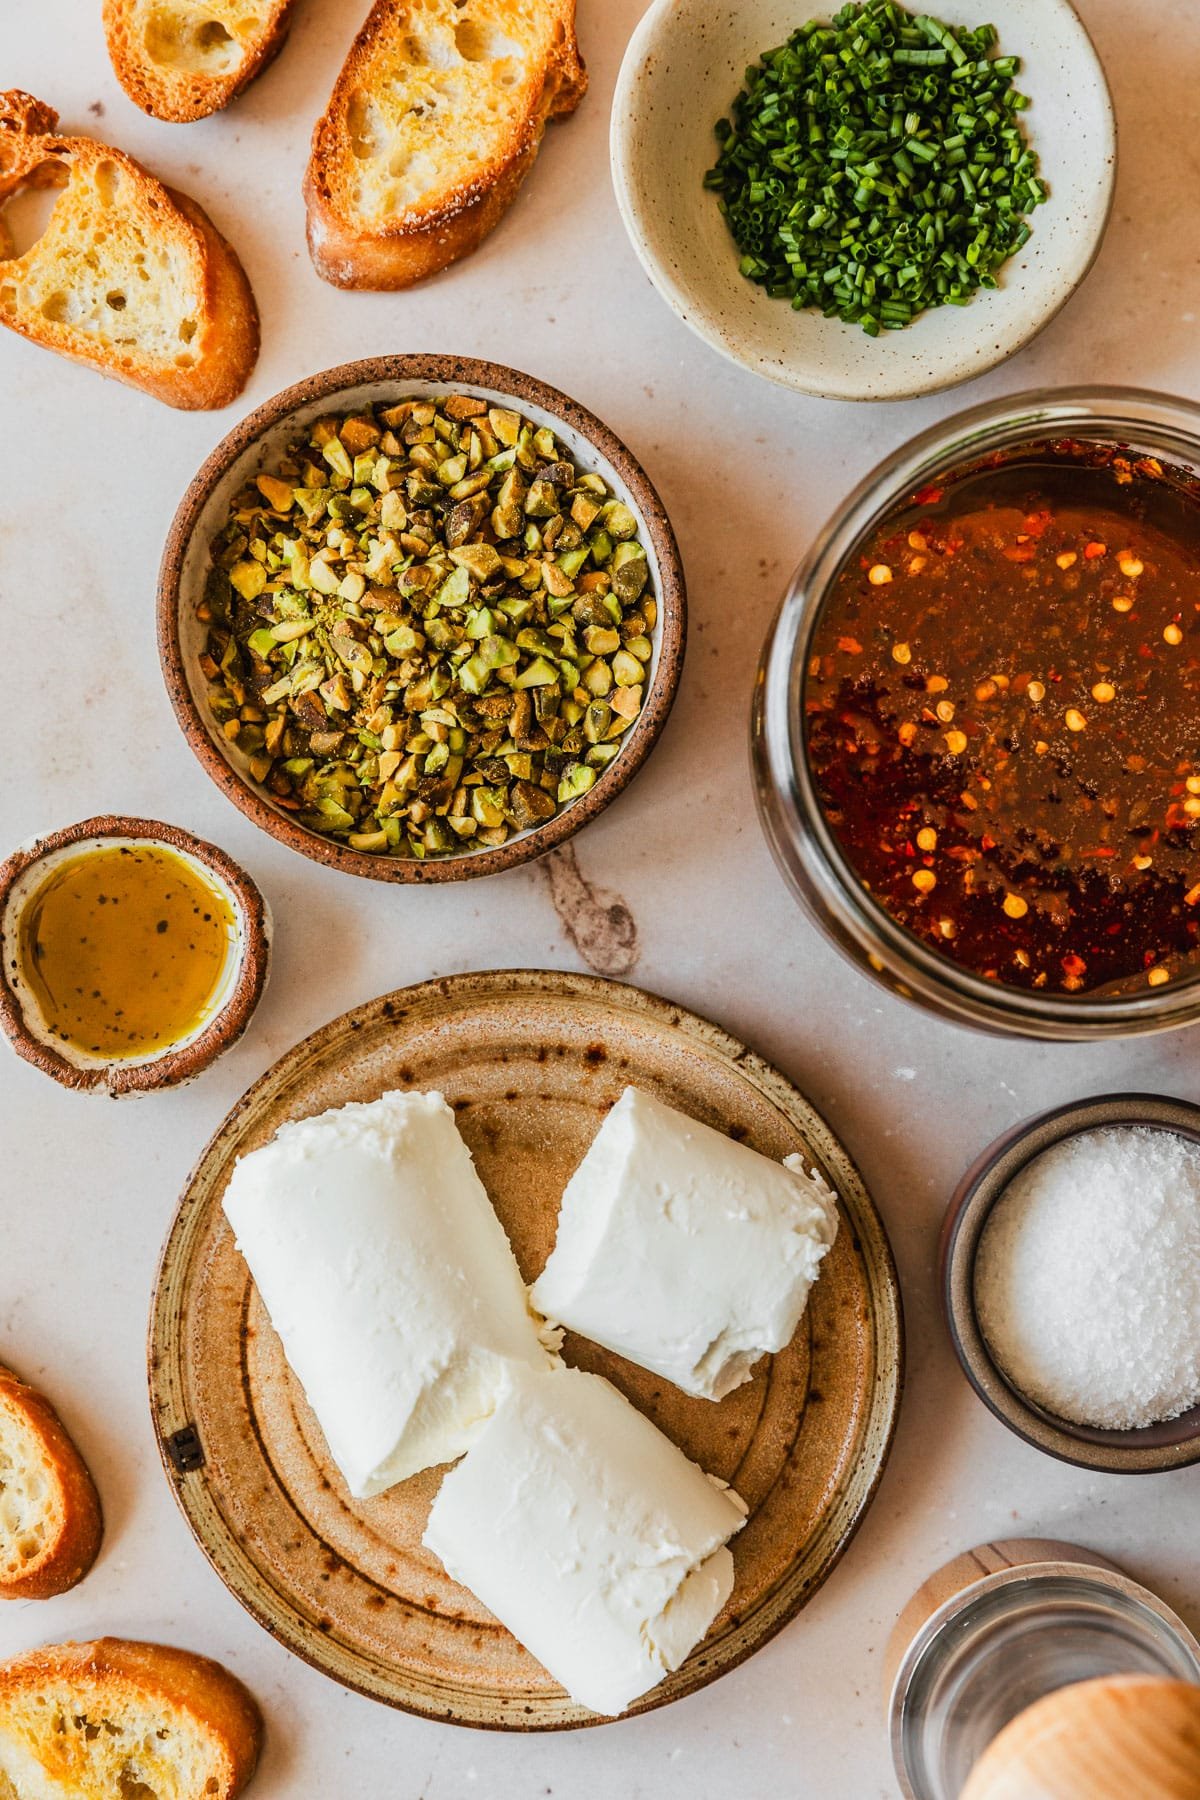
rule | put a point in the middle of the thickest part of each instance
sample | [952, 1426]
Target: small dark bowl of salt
[1070, 1277]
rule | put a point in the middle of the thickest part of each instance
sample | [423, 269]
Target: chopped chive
[876, 165]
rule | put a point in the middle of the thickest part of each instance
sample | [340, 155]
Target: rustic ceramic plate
[530, 1062]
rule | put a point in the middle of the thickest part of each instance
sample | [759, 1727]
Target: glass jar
[804, 845]
[970, 1654]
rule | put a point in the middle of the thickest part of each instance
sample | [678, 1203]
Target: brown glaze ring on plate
[1173, 1444]
[410, 372]
[531, 1061]
[222, 1031]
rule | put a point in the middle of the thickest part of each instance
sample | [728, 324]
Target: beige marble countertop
[90, 475]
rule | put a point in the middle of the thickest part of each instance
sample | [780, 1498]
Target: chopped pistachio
[427, 628]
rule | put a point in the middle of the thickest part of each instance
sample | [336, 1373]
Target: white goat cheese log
[683, 1250]
[589, 1535]
[389, 1280]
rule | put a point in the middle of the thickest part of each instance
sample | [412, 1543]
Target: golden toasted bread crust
[114, 1671]
[226, 344]
[181, 96]
[420, 241]
[75, 1523]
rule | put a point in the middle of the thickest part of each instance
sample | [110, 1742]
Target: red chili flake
[1073, 965]
[928, 496]
[850, 645]
[1093, 550]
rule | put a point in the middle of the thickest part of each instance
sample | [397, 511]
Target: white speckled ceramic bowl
[682, 71]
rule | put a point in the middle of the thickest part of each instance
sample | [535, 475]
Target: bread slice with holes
[183, 59]
[50, 1521]
[128, 277]
[434, 122]
[114, 1720]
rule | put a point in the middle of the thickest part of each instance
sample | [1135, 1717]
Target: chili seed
[1172, 634]
[1129, 565]
[1103, 692]
[902, 653]
[1075, 719]
[880, 575]
[945, 711]
[956, 742]
[1036, 691]
[924, 880]
[927, 838]
[1068, 559]
[1015, 907]
[1156, 977]
[1122, 603]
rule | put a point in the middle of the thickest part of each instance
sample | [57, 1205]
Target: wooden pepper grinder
[1113, 1739]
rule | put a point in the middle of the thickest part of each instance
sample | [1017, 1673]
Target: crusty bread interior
[183, 59]
[104, 266]
[447, 96]
[200, 37]
[31, 1497]
[433, 124]
[118, 1721]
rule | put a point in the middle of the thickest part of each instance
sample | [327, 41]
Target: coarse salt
[1087, 1278]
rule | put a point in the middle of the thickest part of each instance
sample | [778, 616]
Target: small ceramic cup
[1173, 1444]
[239, 990]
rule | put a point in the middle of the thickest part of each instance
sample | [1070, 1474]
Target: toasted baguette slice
[105, 1720]
[128, 277]
[183, 59]
[50, 1523]
[433, 124]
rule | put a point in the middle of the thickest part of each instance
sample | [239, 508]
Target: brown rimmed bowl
[1172, 1444]
[260, 439]
[243, 981]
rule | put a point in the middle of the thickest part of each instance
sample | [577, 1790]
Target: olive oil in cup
[132, 954]
[125, 948]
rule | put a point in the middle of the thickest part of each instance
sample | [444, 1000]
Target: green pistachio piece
[596, 721]
[487, 806]
[619, 521]
[480, 560]
[249, 578]
[539, 674]
[334, 452]
[542, 500]
[323, 577]
[577, 778]
[277, 494]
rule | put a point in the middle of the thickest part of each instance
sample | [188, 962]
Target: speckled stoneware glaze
[530, 1062]
[241, 988]
[684, 67]
[1174, 1444]
[257, 443]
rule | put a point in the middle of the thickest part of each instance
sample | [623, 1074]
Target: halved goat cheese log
[589, 1535]
[389, 1280]
[683, 1250]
